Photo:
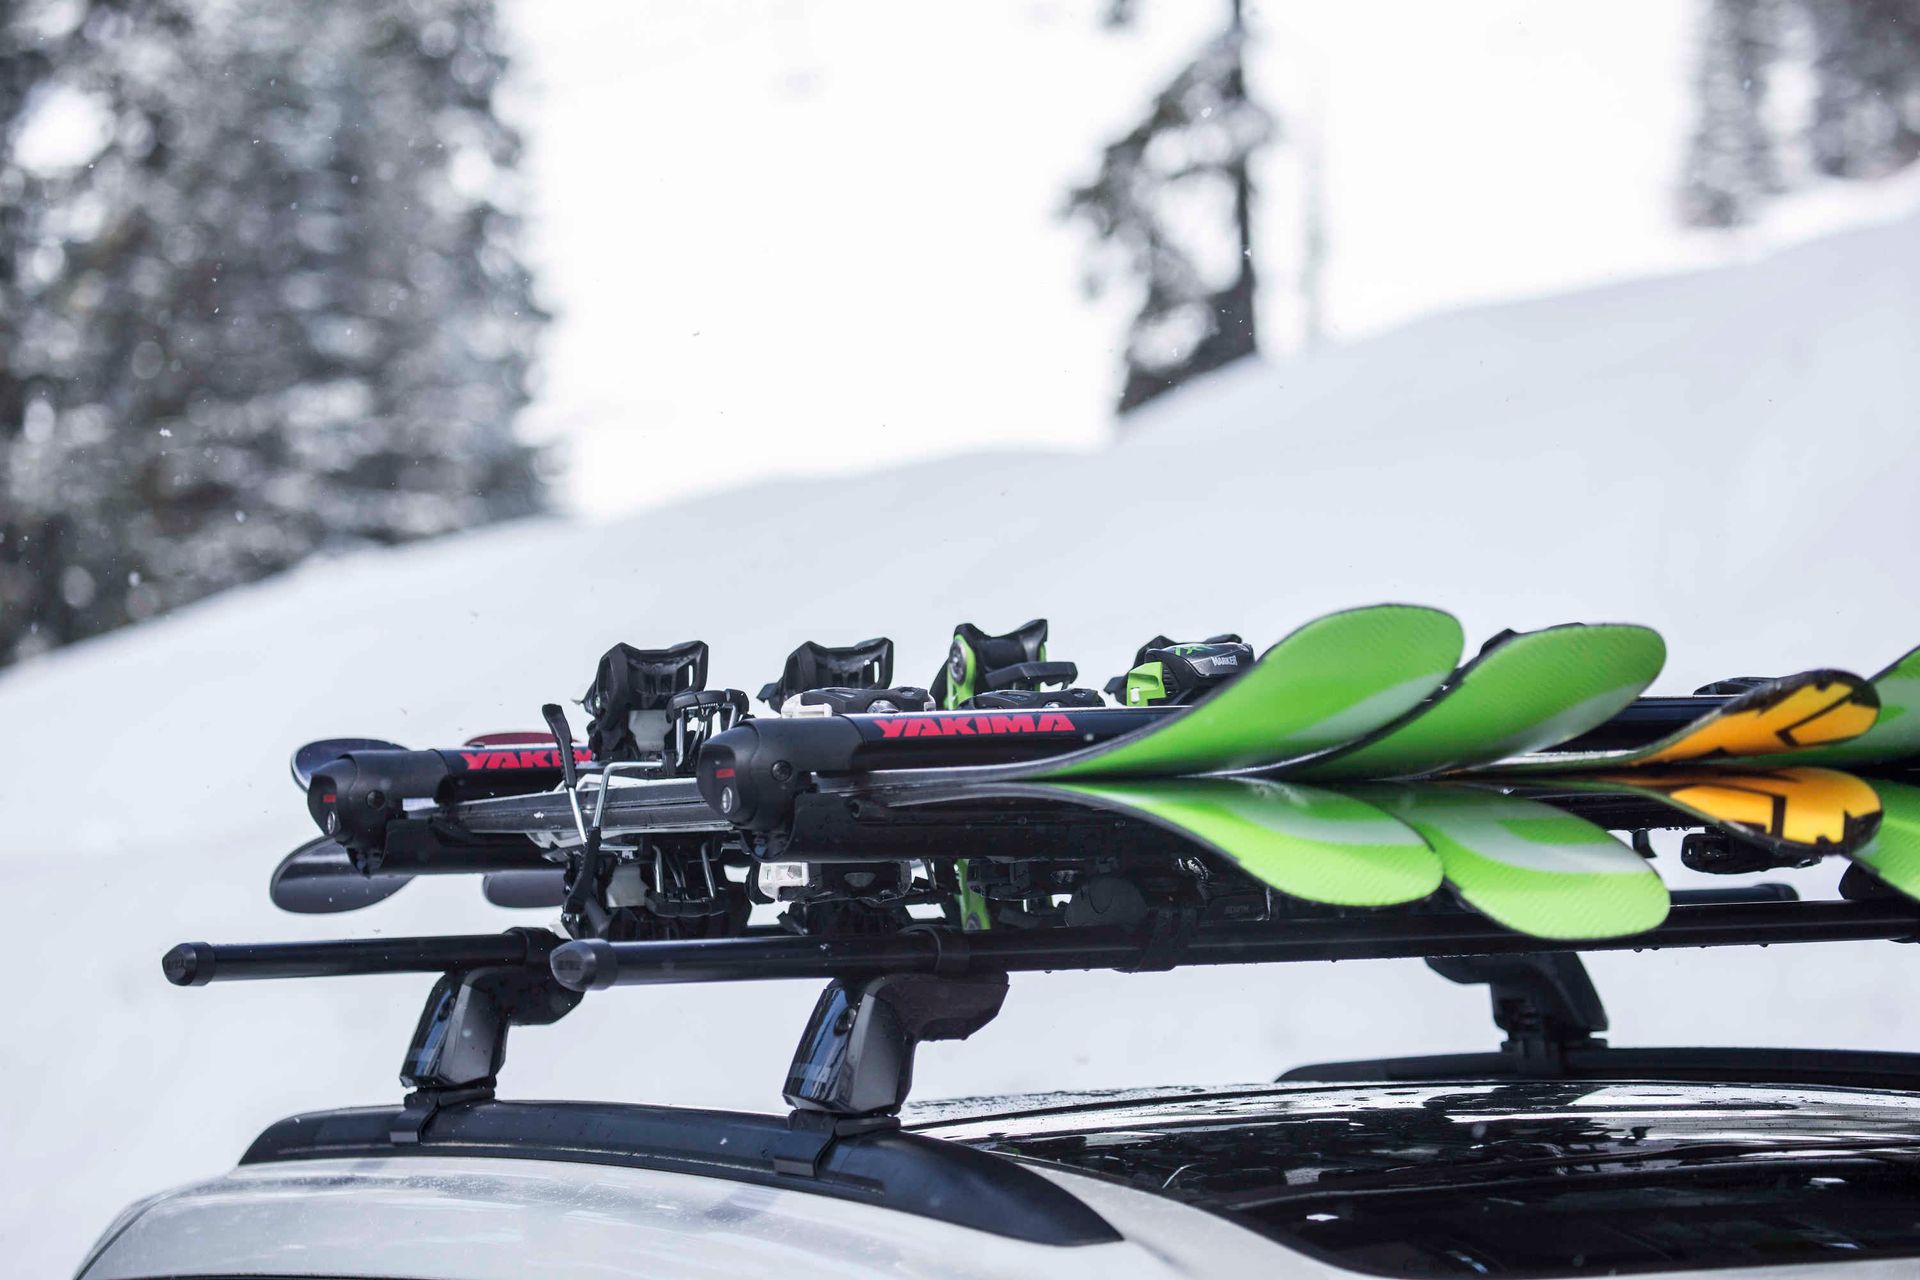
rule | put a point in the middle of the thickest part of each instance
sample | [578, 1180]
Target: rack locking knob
[589, 964]
[191, 964]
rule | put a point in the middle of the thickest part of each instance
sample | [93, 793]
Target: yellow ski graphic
[1809, 715]
[1813, 708]
[1814, 811]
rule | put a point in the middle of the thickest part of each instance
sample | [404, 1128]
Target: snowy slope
[1728, 456]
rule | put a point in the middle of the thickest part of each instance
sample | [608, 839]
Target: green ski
[1312, 844]
[1335, 679]
[1528, 692]
[1893, 855]
[1527, 865]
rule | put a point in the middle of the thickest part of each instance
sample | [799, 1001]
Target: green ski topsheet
[1526, 693]
[1335, 679]
[1529, 866]
[1893, 854]
[1894, 736]
[1319, 846]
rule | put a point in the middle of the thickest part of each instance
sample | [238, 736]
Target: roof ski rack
[888, 993]
[915, 881]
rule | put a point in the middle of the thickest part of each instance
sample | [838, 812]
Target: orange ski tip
[1802, 805]
[1814, 708]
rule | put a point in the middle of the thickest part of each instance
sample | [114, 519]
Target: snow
[839, 165]
[1729, 456]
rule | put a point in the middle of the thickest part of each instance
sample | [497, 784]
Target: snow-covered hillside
[1730, 457]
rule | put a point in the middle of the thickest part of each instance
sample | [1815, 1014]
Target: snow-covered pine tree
[1730, 164]
[31, 42]
[290, 315]
[1866, 112]
[1184, 166]
[25, 63]
[1863, 59]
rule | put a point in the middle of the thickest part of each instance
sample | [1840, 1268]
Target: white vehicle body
[595, 1202]
[464, 1219]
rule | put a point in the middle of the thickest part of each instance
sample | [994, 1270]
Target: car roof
[475, 1218]
[469, 1218]
[1524, 1177]
[972, 1119]
[988, 1186]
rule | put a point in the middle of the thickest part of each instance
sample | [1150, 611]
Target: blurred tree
[30, 44]
[1730, 164]
[280, 310]
[1863, 117]
[1866, 114]
[1184, 166]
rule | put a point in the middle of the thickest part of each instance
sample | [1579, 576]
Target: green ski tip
[1893, 855]
[1335, 679]
[1529, 866]
[1527, 693]
[1319, 846]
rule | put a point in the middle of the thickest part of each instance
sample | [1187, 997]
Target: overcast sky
[785, 236]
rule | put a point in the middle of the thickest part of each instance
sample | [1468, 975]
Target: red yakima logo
[548, 759]
[966, 726]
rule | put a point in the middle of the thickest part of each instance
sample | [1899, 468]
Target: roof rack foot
[422, 1105]
[1545, 1002]
[460, 1041]
[855, 1060]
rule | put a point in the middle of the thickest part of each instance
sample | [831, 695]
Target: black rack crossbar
[195, 964]
[591, 964]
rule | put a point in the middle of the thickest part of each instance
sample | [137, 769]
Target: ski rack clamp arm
[1030, 675]
[355, 798]
[579, 907]
[751, 773]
